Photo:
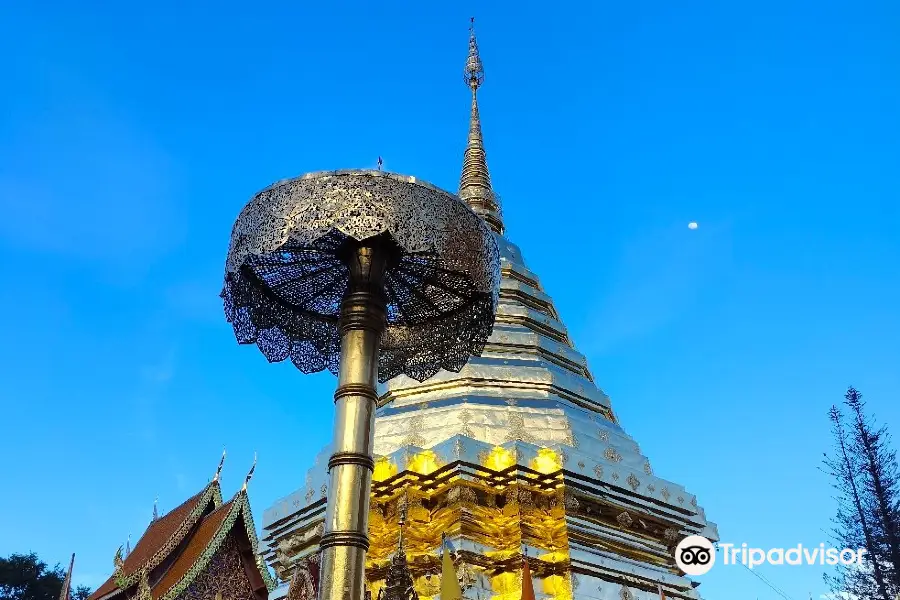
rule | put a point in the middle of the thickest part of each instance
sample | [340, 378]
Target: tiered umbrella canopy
[287, 271]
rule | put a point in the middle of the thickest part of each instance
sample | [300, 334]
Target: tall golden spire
[475, 181]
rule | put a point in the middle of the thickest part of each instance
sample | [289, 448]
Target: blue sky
[132, 134]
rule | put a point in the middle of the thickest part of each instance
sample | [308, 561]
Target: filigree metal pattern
[224, 575]
[285, 279]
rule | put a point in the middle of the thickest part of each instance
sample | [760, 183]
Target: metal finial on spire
[221, 464]
[249, 474]
[380, 163]
[155, 509]
[402, 523]
[475, 181]
[474, 73]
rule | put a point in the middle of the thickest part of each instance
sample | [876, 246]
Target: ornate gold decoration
[413, 435]
[581, 465]
[598, 471]
[603, 435]
[458, 448]
[651, 488]
[399, 584]
[570, 501]
[384, 469]
[309, 495]
[517, 432]
[625, 594]
[625, 519]
[647, 469]
[615, 476]
[671, 534]
[665, 493]
[526, 497]
[633, 482]
[498, 459]
[546, 461]
[143, 592]
[571, 438]
[465, 417]
[424, 462]
[612, 454]
[680, 499]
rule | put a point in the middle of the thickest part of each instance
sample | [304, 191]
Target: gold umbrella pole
[362, 322]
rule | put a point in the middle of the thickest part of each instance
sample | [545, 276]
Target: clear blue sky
[132, 133]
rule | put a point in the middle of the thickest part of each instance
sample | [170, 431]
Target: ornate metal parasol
[368, 274]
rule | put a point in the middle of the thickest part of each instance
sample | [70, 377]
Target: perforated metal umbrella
[370, 275]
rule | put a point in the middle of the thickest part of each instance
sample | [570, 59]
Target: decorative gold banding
[344, 538]
[363, 309]
[351, 458]
[356, 389]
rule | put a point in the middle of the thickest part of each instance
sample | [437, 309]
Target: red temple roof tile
[200, 540]
[156, 537]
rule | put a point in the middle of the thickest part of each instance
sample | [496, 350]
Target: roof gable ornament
[221, 464]
[144, 592]
[249, 474]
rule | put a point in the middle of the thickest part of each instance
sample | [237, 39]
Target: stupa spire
[475, 181]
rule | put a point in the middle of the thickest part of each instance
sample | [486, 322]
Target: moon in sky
[692, 225]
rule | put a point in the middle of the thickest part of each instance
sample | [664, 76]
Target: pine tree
[852, 524]
[882, 484]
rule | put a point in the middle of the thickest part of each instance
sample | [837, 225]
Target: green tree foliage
[25, 577]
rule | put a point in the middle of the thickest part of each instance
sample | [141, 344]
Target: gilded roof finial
[249, 474]
[128, 546]
[398, 583]
[475, 181]
[119, 564]
[221, 464]
[474, 69]
[155, 509]
[402, 523]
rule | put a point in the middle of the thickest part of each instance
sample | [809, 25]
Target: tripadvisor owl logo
[695, 555]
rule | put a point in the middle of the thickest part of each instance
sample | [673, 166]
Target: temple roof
[206, 535]
[179, 545]
[162, 536]
[204, 543]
